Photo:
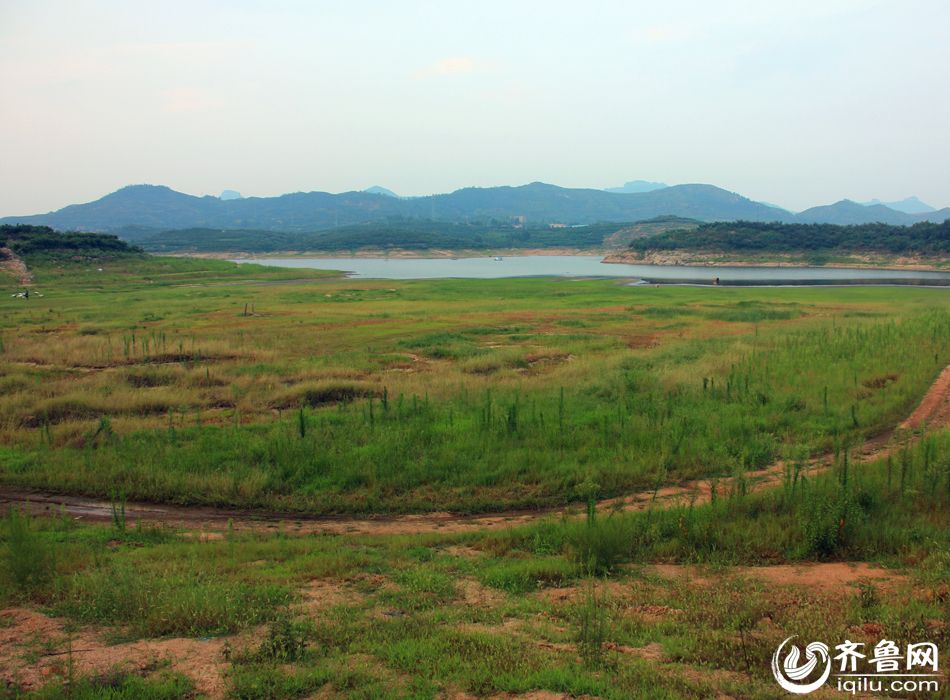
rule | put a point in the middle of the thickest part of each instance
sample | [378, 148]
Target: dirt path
[933, 410]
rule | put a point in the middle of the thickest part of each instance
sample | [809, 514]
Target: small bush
[286, 642]
[828, 524]
[868, 600]
[592, 626]
[148, 378]
[601, 544]
[318, 393]
[27, 558]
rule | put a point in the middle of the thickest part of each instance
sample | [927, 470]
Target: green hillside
[34, 243]
[748, 237]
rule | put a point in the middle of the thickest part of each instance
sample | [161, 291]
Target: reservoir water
[591, 266]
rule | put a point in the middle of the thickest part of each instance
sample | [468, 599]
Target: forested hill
[389, 235]
[924, 239]
[41, 242]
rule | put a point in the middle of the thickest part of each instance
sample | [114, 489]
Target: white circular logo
[789, 673]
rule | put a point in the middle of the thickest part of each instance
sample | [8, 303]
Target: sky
[793, 103]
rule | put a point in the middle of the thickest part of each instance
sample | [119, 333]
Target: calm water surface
[591, 266]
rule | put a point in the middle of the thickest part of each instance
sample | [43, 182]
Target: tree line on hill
[744, 237]
[35, 242]
[925, 239]
[403, 234]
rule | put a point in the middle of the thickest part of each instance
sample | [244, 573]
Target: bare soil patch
[12, 263]
[476, 595]
[832, 576]
[35, 650]
[318, 595]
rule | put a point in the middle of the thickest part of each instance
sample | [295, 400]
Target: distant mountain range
[848, 212]
[635, 186]
[911, 205]
[377, 189]
[152, 207]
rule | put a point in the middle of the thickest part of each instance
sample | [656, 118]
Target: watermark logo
[885, 668]
[790, 673]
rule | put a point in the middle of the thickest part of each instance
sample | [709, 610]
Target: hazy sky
[796, 103]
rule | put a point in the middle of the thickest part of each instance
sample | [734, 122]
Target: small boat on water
[498, 258]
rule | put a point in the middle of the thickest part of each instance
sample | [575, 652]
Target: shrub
[591, 627]
[323, 392]
[599, 545]
[286, 642]
[828, 524]
[28, 560]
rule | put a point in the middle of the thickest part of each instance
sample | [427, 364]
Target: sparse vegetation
[116, 685]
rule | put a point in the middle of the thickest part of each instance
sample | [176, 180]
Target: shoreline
[697, 260]
[714, 260]
[401, 254]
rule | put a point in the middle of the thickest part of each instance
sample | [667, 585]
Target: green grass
[404, 626]
[191, 603]
[521, 575]
[115, 686]
[27, 558]
[469, 395]
[885, 510]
